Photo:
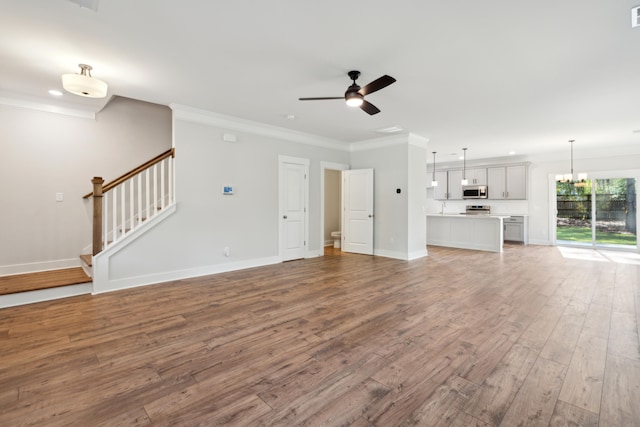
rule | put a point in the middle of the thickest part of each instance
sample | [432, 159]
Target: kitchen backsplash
[509, 207]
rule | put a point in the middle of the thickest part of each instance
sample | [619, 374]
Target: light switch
[59, 197]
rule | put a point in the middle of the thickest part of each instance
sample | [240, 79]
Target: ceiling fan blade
[319, 99]
[369, 108]
[376, 85]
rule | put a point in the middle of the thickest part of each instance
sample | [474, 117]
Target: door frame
[323, 167]
[299, 161]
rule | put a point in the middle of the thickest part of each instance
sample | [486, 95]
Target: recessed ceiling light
[511, 153]
[55, 92]
[290, 117]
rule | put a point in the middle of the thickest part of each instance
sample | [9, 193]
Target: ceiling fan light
[354, 99]
[83, 84]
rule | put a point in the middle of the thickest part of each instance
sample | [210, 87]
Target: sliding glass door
[597, 213]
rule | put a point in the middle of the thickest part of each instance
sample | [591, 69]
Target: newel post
[97, 214]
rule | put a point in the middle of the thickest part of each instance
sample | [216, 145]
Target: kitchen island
[465, 231]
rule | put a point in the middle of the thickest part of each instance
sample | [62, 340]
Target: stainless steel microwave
[475, 192]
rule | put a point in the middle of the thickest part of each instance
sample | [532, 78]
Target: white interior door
[357, 231]
[293, 208]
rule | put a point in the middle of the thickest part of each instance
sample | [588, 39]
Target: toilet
[336, 236]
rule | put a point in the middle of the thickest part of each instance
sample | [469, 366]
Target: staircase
[121, 208]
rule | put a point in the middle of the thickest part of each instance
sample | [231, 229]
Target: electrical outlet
[59, 197]
[226, 251]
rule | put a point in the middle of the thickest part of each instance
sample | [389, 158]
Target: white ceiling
[494, 76]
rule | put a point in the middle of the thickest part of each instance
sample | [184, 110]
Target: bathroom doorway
[331, 204]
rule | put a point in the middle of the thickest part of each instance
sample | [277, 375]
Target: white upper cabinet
[476, 176]
[440, 191]
[517, 182]
[449, 185]
[503, 182]
[455, 184]
[507, 182]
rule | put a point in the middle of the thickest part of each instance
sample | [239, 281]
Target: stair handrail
[122, 178]
[100, 232]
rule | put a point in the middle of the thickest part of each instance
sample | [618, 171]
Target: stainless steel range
[478, 210]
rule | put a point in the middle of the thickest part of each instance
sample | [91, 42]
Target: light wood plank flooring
[460, 338]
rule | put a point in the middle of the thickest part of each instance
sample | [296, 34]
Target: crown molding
[38, 105]
[389, 141]
[195, 115]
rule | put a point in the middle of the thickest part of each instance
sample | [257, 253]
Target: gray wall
[46, 153]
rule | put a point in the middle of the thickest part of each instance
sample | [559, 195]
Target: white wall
[47, 153]
[417, 200]
[398, 163]
[191, 242]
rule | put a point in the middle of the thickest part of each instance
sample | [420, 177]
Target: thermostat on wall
[227, 190]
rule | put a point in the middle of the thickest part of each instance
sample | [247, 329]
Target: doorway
[331, 193]
[597, 213]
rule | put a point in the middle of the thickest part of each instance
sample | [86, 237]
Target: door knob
[284, 217]
[370, 216]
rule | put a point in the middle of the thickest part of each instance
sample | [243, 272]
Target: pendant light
[434, 183]
[568, 177]
[83, 84]
[464, 167]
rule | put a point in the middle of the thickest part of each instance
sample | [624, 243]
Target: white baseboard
[540, 242]
[101, 285]
[34, 267]
[31, 297]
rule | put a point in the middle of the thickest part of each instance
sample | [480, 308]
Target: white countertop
[464, 215]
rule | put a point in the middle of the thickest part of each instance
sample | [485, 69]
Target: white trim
[372, 144]
[298, 161]
[101, 261]
[418, 141]
[401, 255]
[34, 267]
[22, 298]
[417, 254]
[152, 279]
[190, 114]
[47, 108]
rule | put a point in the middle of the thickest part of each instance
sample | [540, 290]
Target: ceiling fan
[355, 94]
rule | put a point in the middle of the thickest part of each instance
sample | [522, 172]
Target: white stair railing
[123, 205]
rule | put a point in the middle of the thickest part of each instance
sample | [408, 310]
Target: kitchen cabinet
[516, 182]
[479, 232]
[455, 184]
[507, 182]
[440, 191]
[476, 176]
[515, 229]
[449, 185]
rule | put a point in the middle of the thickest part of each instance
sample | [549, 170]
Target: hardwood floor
[460, 338]
[42, 280]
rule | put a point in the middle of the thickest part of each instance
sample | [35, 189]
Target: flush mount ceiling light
[83, 84]
[568, 177]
